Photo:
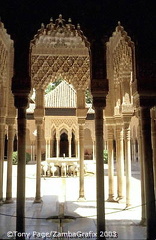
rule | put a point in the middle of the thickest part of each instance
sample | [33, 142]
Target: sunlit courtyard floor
[60, 197]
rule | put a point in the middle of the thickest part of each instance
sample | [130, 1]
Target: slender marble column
[51, 147]
[76, 148]
[81, 154]
[38, 164]
[133, 149]
[57, 147]
[149, 175]
[143, 196]
[20, 220]
[110, 165]
[99, 171]
[120, 162]
[153, 126]
[46, 149]
[69, 147]
[9, 163]
[127, 163]
[94, 150]
[34, 150]
[2, 134]
[31, 151]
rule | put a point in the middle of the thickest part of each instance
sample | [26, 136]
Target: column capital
[153, 113]
[2, 120]
[3, 111]
[99, 87]
[21, 101]
[10, 121]
[127, 119]
[110, 132]
[81, 113]
[143, 100]
[99, 102]
[57, 137]
[39, 121]
[81, 121]
[21, 87]
[39, 113]
[127, 109]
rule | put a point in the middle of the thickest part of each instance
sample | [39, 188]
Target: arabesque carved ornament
[73, 69]
[59, 50]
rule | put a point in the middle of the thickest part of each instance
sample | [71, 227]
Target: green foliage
[88, 96]
[52, 86]
[15, 158]
[105, 156]
[28, 157]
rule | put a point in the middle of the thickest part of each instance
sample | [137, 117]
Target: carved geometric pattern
[73, 69]
[68, 121]
[6, 72]
[3, 60]
[121, 47]
[121, 72]
[59, 50]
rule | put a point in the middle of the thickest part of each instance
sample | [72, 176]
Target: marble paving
[77, 218]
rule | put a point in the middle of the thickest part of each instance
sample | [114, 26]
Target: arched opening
[15, 143]
[88, 151]
[73, 150]
[64, 147]
[53, 146]
[5, 146]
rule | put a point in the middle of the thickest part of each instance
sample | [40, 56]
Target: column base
[111, 199]
[81, 199]
[128, 205]
[120, 199]
[38, 200]
[9, 200]
[143, 222]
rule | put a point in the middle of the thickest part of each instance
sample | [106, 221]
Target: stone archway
[64, 145]
[73, 146]
[60, 50]
[119, 108]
